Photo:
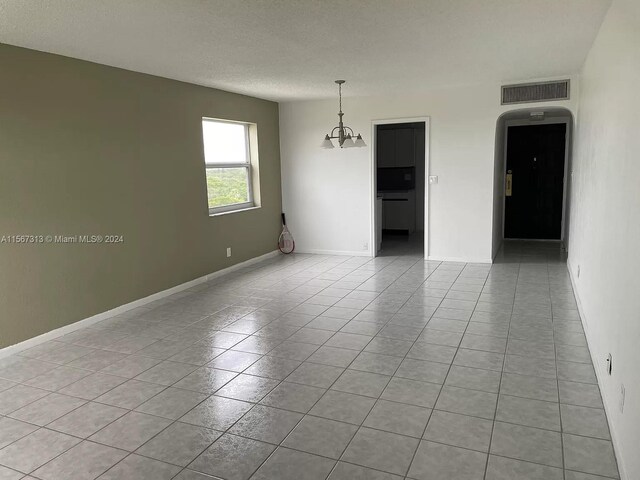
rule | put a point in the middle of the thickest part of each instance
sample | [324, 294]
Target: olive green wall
[90, 149]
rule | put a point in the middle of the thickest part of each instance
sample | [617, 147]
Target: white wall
[605, 221]
[327, 193]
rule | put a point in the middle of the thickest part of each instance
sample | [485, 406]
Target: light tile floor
[315, 367]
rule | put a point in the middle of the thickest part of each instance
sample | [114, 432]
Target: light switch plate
[433, 179]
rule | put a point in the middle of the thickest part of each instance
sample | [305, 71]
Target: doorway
[534, 188]
[399, 187]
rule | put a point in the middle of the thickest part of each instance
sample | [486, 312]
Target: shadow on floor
[401, 244]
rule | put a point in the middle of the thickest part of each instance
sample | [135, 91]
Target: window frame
[232, 207]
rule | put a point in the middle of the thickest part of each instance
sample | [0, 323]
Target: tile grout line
[399, 364]
[83, 439]
[254, 307]
[257, 403]
[555, 361]
[172, 423]
[347, 367]
[387, 323]
[303, 415]
[504, 361]
[443, 381]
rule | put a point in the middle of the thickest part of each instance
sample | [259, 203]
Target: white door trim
[373, 188]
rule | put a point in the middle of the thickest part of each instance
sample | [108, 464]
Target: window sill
[243, 209]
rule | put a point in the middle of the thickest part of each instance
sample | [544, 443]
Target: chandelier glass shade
[342, 133]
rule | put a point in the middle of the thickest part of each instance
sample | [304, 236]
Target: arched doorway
[532, 175]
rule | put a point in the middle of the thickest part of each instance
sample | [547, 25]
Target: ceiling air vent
[535, 92]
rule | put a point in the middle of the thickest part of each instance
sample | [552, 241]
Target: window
[227, 158]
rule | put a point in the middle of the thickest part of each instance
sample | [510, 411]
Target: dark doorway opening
[534, 191]
[400, 187]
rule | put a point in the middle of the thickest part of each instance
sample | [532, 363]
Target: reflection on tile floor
[316, 367]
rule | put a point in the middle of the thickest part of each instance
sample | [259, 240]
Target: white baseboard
[367, 253]
[87, 322]
[246, 263]
[315, 251]
[436, 258]
[600, 374]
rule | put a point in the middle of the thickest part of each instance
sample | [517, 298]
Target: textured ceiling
[294, 49]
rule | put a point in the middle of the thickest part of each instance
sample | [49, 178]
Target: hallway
[315, 367]
[396, 244]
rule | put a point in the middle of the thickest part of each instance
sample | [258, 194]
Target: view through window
[227, 165]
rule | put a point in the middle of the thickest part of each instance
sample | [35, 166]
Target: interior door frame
[374, 171]
[567, 141]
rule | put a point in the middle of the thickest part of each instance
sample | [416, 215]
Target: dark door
[535, 161]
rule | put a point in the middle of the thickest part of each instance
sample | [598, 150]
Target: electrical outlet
[365, 246]
[578, 273]
[609, 364]
[228, 252]
[622, 395]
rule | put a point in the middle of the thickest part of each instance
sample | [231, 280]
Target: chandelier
[343, 133]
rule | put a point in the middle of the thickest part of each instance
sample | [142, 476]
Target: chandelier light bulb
[359, 141]
[326, 143]
[348, 142]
